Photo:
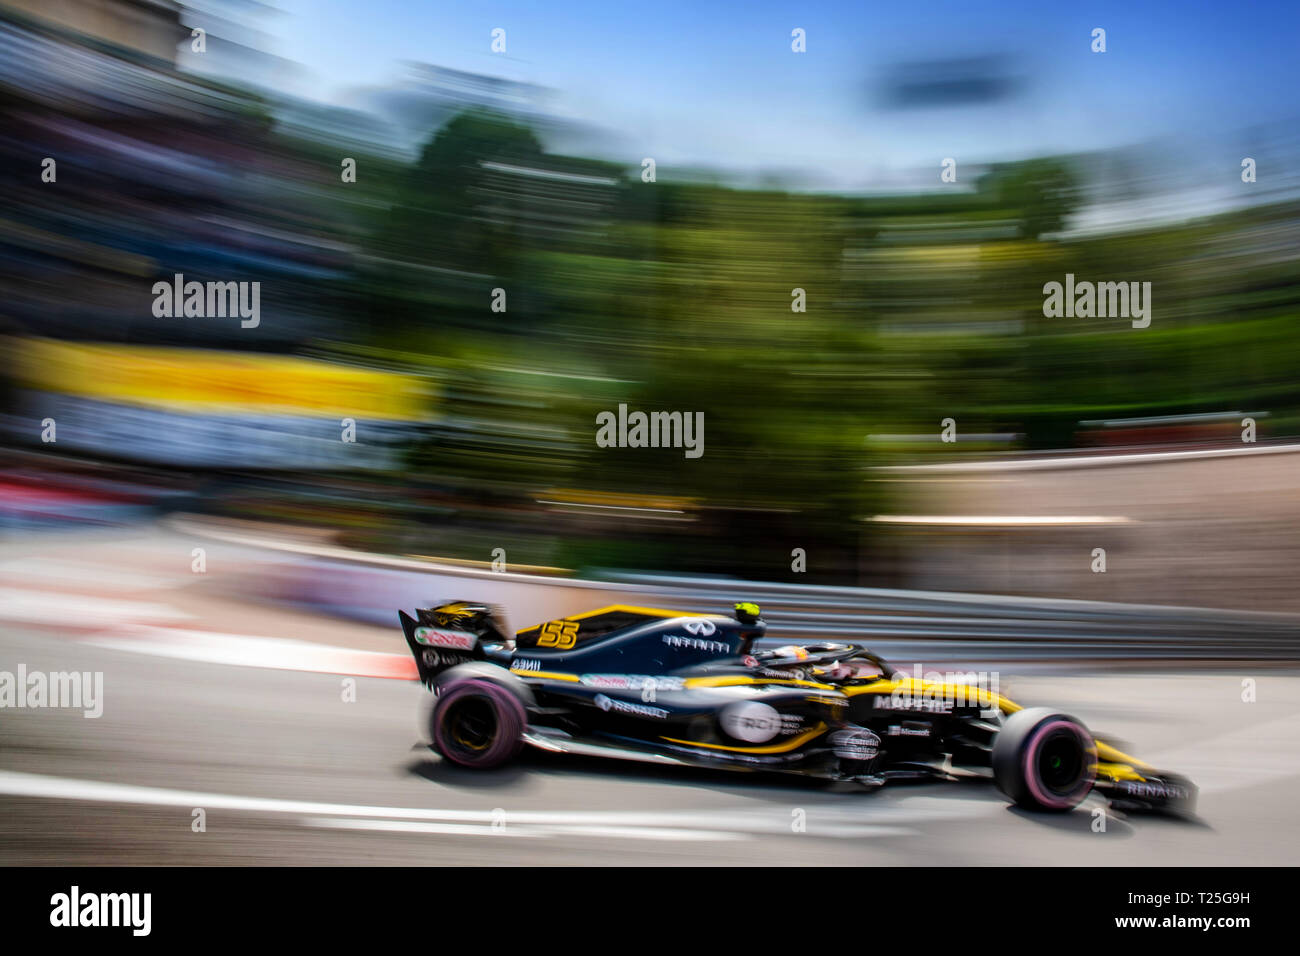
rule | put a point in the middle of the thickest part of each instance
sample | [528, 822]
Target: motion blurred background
[523, 170]
[184, 516]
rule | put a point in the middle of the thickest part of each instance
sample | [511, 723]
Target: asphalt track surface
[286, 771]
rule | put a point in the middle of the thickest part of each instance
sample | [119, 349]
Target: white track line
[856, 818]
[409, 826]
[525, 830]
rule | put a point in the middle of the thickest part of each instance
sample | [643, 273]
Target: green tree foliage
[676, 296]
[1040, 192]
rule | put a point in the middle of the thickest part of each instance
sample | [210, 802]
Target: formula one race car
[672, 687]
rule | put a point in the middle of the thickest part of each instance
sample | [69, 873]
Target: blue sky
[714, 83]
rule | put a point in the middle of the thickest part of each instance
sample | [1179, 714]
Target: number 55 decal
[561, 635]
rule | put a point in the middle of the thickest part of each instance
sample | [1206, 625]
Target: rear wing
[438, 648]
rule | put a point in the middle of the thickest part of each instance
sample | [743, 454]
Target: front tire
[1044, 760]
[477, 724]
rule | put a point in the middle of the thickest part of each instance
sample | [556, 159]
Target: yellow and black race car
[665, 686]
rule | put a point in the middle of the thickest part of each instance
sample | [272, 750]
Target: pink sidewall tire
[1044, 760]
[477, 723]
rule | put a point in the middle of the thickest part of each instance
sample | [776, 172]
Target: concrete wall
[1211, 531]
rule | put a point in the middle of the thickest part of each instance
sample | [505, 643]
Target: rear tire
[1044, 760]
[477, 724]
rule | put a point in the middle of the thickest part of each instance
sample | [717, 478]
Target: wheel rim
[1060, 762]
[471, 725]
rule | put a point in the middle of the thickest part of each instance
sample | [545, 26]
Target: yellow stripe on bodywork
[545, 675]
[936, 691]
[1124, 766]
[1108, 754]
[1117, 771]
[650, 611]
[629, 609]
[739, 680]
[792, 744]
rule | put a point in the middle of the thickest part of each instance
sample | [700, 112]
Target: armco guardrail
[947, 626]
[902, 625]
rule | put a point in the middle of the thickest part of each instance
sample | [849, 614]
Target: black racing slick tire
[1044, 760]
[477, 723]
